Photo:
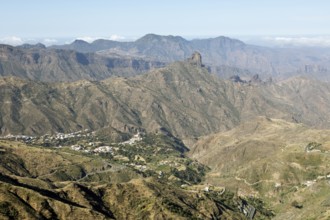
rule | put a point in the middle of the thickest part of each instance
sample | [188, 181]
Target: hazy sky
[21, 20]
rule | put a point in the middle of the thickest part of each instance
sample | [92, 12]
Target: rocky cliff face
[196, 59]
[50, 65]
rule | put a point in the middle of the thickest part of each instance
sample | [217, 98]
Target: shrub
[297, 205]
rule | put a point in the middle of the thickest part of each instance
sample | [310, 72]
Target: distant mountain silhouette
[218, 52]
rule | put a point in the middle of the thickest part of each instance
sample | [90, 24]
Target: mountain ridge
[223, 51]
[100, 59]
[43, 64]
[182, 98]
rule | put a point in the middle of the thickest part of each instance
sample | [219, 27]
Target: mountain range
[104, 58]
[218, 53]
[183, 98]
[164, 128]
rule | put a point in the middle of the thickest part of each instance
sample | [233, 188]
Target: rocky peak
[196, 59]
[78, 42]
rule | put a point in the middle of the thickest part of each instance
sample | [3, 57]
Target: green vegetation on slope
[279, 162]
[141, 178]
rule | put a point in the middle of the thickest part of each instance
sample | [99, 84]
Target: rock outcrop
[196, 59]
[35, 62]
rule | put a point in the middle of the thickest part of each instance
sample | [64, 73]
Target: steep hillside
[39, 63]
[183, 99]
[285, 164]
[164, 98]
[136, 180]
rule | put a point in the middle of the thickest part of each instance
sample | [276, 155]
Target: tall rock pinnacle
[196, 59]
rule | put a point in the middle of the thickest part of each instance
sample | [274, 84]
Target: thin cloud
[116, 37]
[11, 40]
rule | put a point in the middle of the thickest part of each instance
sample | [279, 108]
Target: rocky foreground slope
[77, 176]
